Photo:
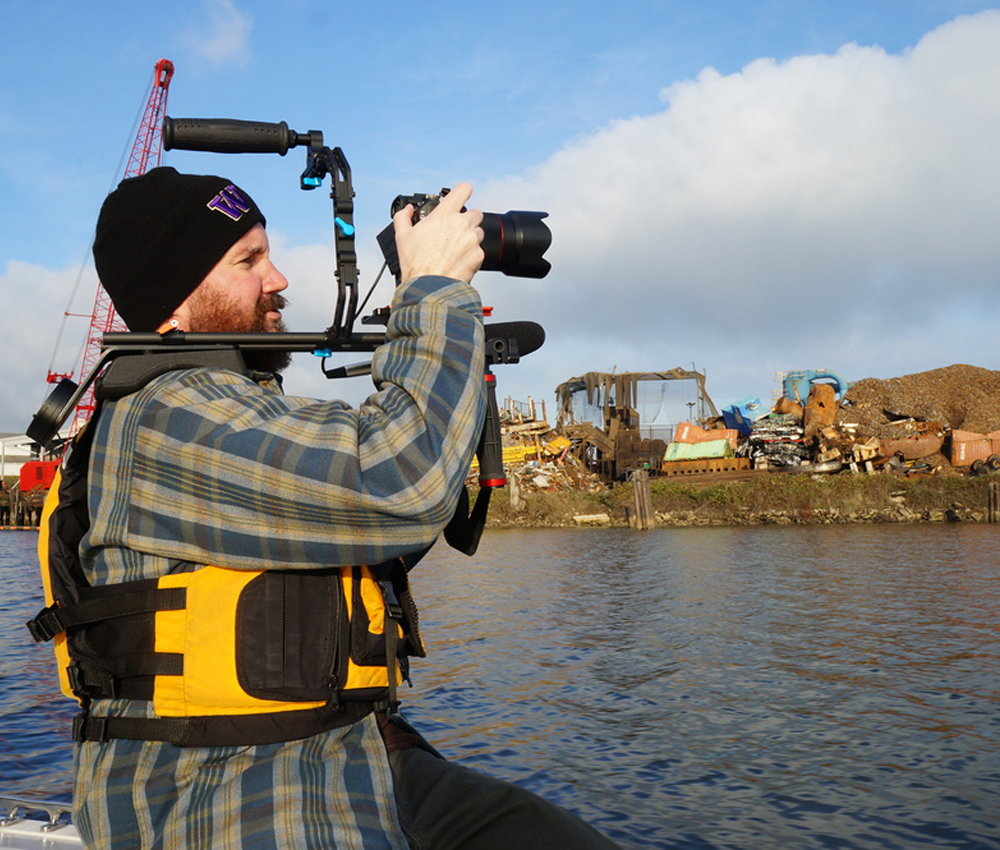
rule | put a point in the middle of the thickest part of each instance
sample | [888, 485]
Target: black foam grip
[226, 135]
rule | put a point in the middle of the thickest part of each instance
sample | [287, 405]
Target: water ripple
[682, 689]
[738, 688]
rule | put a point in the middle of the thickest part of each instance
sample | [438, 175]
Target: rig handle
[490, 450]
[228, 135]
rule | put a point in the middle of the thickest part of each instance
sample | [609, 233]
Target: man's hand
[446, 243]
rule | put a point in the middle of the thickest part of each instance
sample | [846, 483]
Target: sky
[740, 188]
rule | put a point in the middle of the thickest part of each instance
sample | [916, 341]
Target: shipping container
[741, 415]
[697, 451]
[686, 432]
[38, 473]
[968, 447]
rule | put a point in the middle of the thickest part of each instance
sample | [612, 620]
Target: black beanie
[160, 234]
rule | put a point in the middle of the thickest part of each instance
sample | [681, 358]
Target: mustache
[272, 301]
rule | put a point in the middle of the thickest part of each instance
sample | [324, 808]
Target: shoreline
[802, 499]
[768, 499]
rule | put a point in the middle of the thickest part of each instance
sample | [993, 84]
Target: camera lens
[514, 243]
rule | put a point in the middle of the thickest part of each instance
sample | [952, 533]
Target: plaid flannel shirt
[206, 467]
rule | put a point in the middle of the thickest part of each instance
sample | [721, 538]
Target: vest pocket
[289, 629]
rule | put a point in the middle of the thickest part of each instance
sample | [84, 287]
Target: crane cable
[85, 263]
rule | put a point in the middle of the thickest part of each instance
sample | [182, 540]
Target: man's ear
[180, 319]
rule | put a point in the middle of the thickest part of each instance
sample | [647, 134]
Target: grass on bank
[802, 497]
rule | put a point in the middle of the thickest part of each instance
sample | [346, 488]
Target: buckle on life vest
[88, 728]
[46, 624]
[74, 675]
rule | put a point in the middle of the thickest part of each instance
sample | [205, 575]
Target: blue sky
[746, 187]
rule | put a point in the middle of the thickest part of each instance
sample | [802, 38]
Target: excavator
[617, 446]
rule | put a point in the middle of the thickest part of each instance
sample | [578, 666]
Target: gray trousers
[444, 806]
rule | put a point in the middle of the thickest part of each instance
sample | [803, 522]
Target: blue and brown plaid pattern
[207, 467]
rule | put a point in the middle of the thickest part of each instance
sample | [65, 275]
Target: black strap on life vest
[222, 731]
[57, 618]
[393, 621]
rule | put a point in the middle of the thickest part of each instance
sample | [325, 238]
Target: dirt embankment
[765, 499]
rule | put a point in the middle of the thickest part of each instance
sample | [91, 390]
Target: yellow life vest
[226, 657]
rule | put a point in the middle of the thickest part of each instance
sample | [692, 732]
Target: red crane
[146, 150]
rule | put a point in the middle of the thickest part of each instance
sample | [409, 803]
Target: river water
[756, 688]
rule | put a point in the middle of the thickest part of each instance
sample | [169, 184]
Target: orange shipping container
[686, 432]
[968, 447]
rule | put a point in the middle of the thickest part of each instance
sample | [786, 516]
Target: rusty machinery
[617, 446]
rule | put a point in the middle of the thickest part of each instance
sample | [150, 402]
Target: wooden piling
[993, 502]
[643, 499]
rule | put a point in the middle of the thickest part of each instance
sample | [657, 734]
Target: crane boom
[146, 151]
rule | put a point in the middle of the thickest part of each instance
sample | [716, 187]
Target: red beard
[213, 313]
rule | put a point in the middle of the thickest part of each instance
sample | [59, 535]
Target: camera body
[422, 204]
[514, 242]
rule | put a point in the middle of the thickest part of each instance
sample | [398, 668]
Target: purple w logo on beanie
[230, 203]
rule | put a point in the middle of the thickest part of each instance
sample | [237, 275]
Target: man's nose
[274, 281]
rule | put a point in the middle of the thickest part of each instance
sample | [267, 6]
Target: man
[244, 549]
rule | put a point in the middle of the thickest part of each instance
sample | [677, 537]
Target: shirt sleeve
[205, 466]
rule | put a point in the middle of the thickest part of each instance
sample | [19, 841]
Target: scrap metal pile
[777, 440]
[935, 421]
[944, 421]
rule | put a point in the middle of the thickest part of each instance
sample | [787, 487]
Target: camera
[514, 241]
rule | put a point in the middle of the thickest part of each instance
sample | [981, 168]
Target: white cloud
[833, 211]
[224, 38]
[830, 211]
[30, 350]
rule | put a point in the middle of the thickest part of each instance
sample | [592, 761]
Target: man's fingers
[447, 242]
[403, 219]
[457, 197]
